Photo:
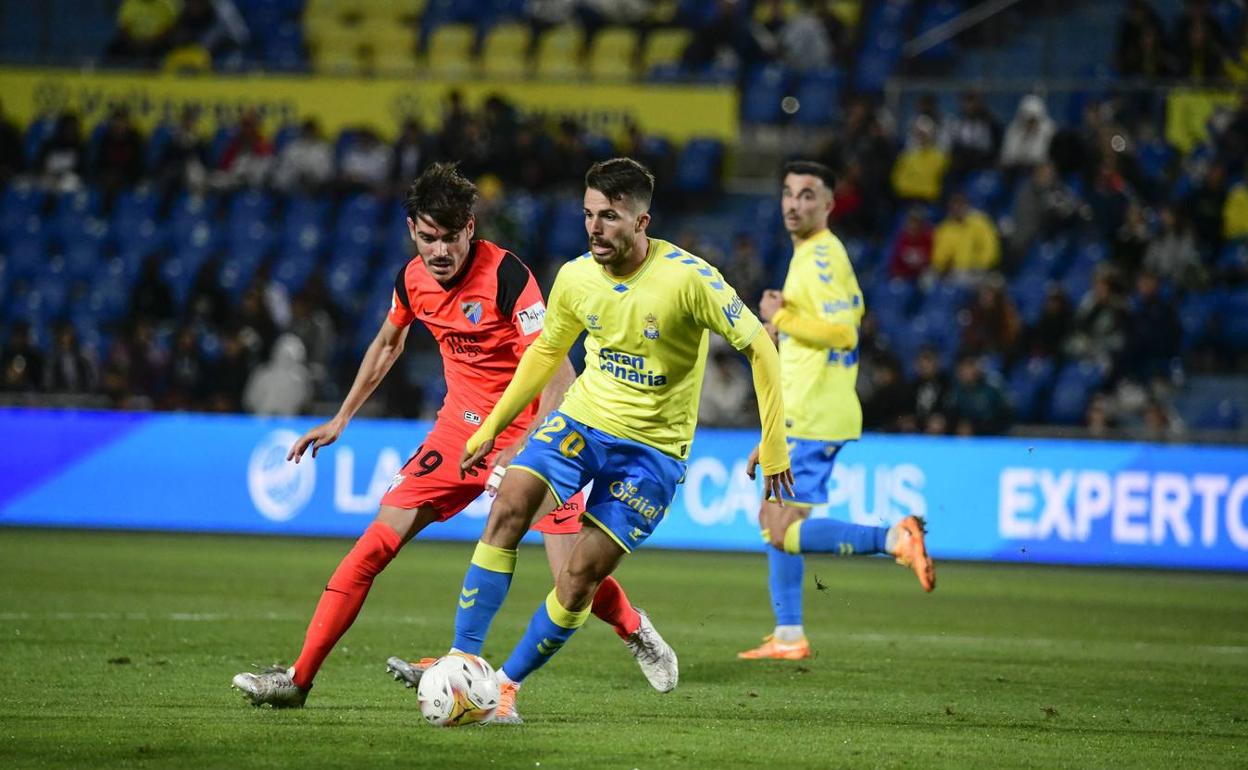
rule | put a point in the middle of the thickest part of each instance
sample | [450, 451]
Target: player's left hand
[470, 464]
[770, 304]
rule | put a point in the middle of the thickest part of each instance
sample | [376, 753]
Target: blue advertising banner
[992, 499]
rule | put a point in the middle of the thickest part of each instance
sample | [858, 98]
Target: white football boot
[655, 656]
[271, 687]
[408, 671]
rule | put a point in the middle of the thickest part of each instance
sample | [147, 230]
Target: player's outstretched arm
[536, 369]
[382, 352]
[772, 451]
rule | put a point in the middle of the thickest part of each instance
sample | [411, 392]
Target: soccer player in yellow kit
[817, 318]
[627, 422]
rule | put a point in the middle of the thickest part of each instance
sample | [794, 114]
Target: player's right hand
[321, 436]
[470, 463]
[776, 485]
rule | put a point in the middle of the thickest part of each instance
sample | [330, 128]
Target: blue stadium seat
[698, 165]
[760, 99]
[818, 98]
[567, 237]
[132, 208]
[293, 268]
[1029, 384]
[37, 133]
[179, 276]
[346, 276]
[20, 201]
[1029, 296]
[944, 300]
[1221, 414]
[1072, 391]
[249, 206]
[986, 191]
[1233, 315]
[27, 248]
[83, 256]
[191, 210]
[1195, 314]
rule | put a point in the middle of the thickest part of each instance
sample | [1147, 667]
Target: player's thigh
[407, 522]
[520, 499]
[430, 478]
[558, 548]
[593, 557]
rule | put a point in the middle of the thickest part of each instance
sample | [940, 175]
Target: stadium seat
[698, 166]
[818, 99]
[449, 53]
[1233, 315]
[613, 55]
[760, 100]
[292, 269]
[664, 47]
[986, 191]
[1029, 384]
[558, 53]
[503, 51]
[566, 230]
[1072, 391]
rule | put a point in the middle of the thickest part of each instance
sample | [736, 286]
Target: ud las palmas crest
[472, 311]
[652, 327]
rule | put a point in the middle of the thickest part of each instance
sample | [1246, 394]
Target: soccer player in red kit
[484, 308]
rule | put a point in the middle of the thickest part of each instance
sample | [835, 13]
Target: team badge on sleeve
[472, 311]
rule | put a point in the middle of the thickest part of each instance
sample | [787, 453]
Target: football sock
[551, 627]
[784, 579]
[834, 536]
[610, 604]
[790, 633]
[343, 597]
[485, 587]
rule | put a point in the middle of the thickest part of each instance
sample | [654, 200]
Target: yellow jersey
[645, 353]
[820, 399]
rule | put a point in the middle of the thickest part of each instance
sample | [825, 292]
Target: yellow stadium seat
[788, 9]
[503, 51]
[664, 46]
[558, 52]
[318, 28]
[389, 47]
[613, 54]
[337, 60]
[450, 50]
[390, 10]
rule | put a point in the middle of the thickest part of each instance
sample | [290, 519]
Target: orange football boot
[912, 552]
[774, 649]
[506, 713]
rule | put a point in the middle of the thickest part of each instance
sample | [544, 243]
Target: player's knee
[577, 583]
[507, 520]
[775, 536]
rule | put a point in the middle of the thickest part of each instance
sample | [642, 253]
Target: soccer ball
[458, 689]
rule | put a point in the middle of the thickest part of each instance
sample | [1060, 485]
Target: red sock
[611, 605]
[344, 596]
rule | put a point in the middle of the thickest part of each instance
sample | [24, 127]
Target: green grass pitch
[116, 650]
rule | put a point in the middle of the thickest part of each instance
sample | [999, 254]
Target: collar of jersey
[632, 277]
[811, 239]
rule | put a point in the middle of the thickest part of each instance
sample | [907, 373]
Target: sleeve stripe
[513, 277]
[400, 288]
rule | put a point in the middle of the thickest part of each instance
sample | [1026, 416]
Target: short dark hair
[810, 168]
[442, 194]
[619, 178]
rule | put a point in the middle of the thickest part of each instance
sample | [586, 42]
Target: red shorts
[431, 477]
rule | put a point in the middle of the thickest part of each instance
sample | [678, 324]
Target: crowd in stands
[1199, 46]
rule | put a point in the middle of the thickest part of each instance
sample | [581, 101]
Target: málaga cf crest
[472, 311]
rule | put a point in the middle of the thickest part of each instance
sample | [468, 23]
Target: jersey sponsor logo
[651, 331]
[733, 310]
[472, 417]
[472, 311]
[629, 368]
[532, 318]
[463, 344]
[591, 322]
[627, 492]
[279, 489]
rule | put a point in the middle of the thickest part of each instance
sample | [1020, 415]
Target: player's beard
[619, 251]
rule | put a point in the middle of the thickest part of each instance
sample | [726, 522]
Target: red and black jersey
[483, 323]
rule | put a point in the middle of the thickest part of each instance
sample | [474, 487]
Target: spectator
[282, 386]
[184, 159]
[919, 173]
[410, 154]
[1199, 52]
[543, 15]
[725, 391]
[119, 157]
[1141, 43]
[1027, 138]
[143, 28]
[1204, 208]
[1235, 65]
[1153, 332]
[248, 159]
[21, 363]
[851, 216]
[62, 158]
[975, 405]
[994, 327]
[188, 373]
[229, 374]
[11, 161]
[151, 297]
[1131, 241]
[571, 156]
[1047, 336]
[888, 402]
[1232, 142]
[1235, 213]
[314, 326]
[1108, 199]
[366, 162]
[1172, 254]
[1100, 325]
[1099, 418]
[744, 269]
[70, 369]
[975, 136]
[214, 25]
[1159, 423]
[724, 39]
[931, 388]
[1044, 207]
[804, 44]
[912, 251]
[966, 242]
[306, 164]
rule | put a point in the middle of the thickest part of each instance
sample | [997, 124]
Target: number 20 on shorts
[572, 443]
